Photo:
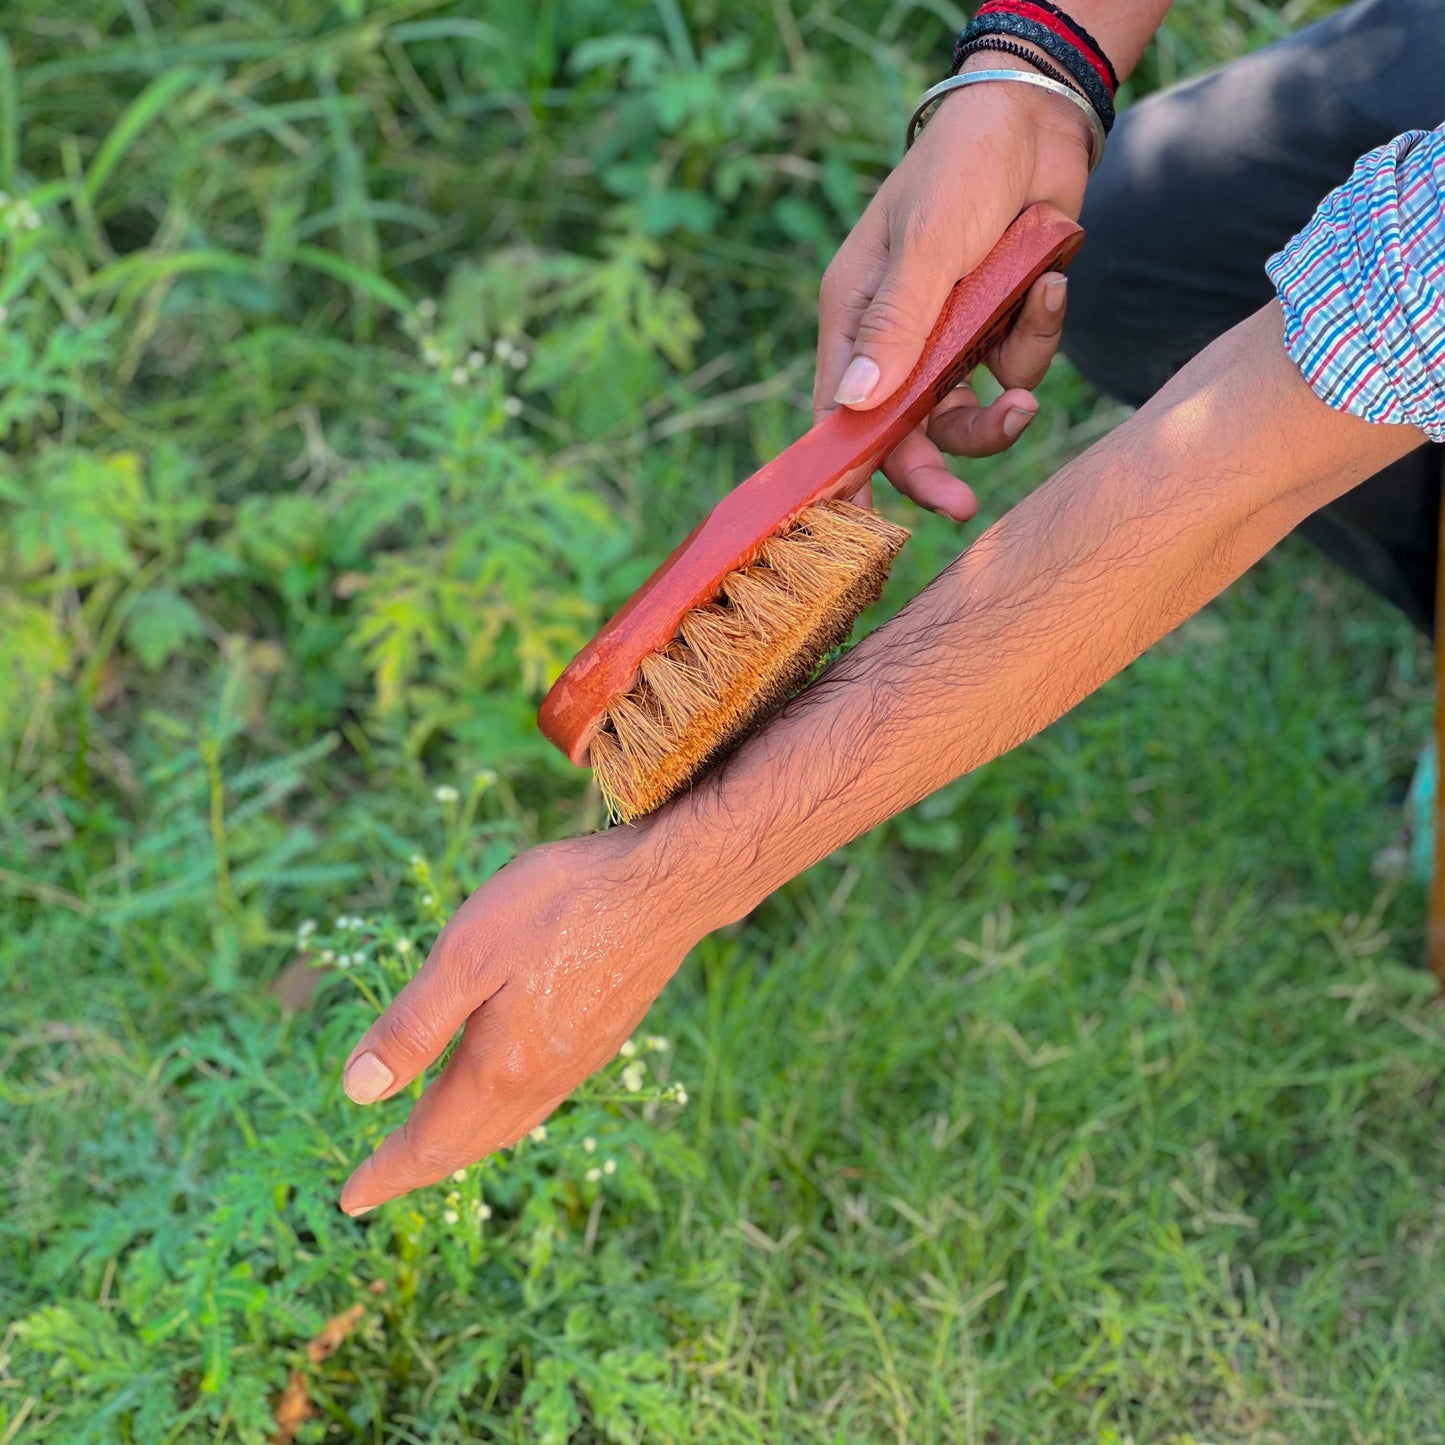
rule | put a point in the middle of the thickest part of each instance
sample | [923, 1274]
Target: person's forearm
[1123, 28]
[1062, 593]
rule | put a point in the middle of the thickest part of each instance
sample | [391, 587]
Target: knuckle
[456, 953]
[889, 321]
[840, 289]
[515, 1070]
[404, 1033]
[918, 231]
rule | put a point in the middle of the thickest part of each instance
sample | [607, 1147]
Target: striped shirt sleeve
[1363, 288]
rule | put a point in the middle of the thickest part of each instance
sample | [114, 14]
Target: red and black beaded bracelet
[1060, 37]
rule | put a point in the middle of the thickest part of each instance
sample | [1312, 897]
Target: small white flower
[518, 358]
[431, 355]
[427, 900]
[343, 960]
[589, 1145]
[632, 1076]
[677, 1094]
[327, 956]
[446, 794]
[342, 923]
[628, 1049]
[592, 1176]
[403, 946]
[427, 309]
[453, 1198]
[416, 860]
[459, 1175]
[460, 376]
[656, 1044]
[609, 1166]
[476, 360]
[450, 1216]
[502, 350]
[513, 406]
[308, 925]
[538, 1134]
[484, 1211]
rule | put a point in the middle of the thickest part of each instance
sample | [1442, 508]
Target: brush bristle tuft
[739, 658]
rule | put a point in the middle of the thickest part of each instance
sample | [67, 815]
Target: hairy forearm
[1062, 593]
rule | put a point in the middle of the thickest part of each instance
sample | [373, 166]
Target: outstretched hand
[989, 151]
[545, 970]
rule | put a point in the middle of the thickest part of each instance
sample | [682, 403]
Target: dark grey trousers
[1201, 183]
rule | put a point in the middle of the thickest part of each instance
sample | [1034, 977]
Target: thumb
[421, 1021]
[896, 322]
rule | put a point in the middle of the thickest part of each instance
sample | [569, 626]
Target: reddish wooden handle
[834, 459]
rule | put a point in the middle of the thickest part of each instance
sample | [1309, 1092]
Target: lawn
[356, 359]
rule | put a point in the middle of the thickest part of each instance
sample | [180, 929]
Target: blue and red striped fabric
[1363, 288]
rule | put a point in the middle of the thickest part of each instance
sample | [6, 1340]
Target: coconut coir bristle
[737, 659]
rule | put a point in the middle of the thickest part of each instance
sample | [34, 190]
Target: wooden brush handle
[832, 460]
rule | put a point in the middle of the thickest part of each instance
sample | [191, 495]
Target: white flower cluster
[593, 1176]
[451, 1215]
[509, 353]
[16, 211]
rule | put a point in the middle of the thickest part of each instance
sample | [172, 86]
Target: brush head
[737, 659]
[739, 614]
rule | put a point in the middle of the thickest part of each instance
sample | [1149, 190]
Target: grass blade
[142, 111]
[339, 268]
[9, 118]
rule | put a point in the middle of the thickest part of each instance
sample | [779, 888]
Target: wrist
[714, 854]
[670, 860]
[1047, 116]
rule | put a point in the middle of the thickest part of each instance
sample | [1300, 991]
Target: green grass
[1093, 1101]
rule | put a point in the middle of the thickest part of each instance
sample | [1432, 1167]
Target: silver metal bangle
[1014, 77]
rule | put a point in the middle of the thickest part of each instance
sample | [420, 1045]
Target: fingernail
[1054, 293]
[1013, 425]
[858, 382]
[365, 1209]
[368, 1078]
